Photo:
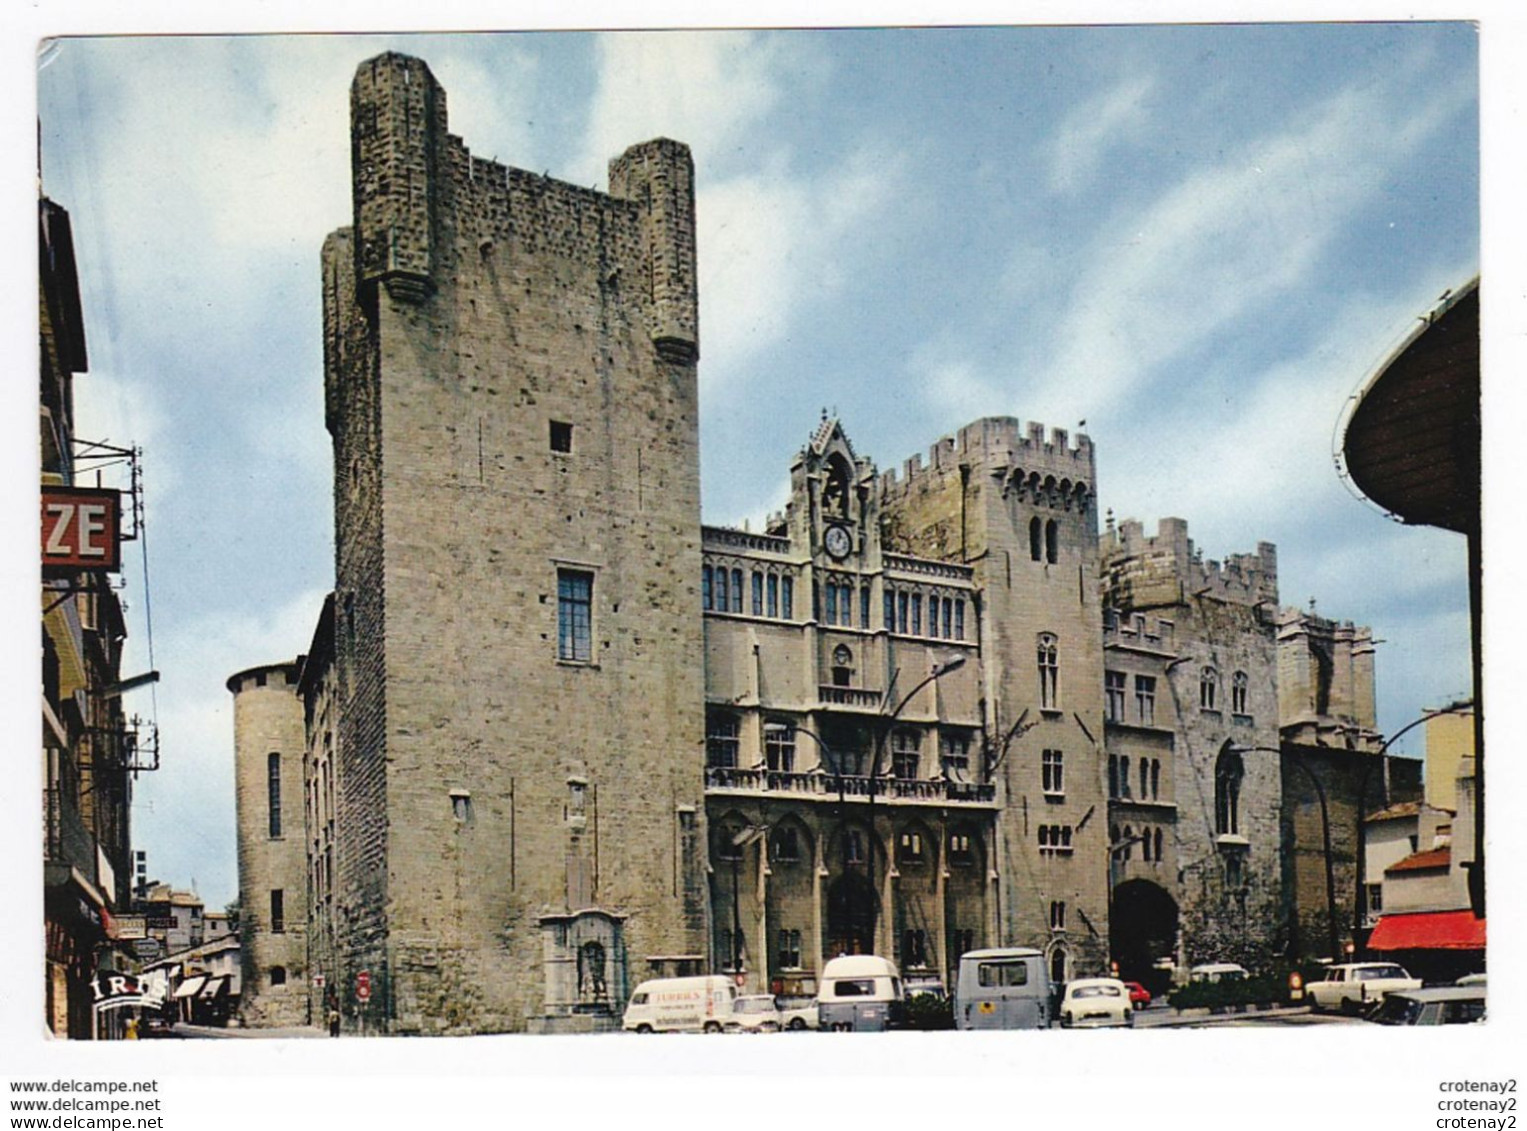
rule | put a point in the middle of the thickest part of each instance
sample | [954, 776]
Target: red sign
[363, 985]
[81, 528]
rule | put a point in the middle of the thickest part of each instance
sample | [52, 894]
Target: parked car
[1218, 972]
[755, 1013]
[796, 1013]
[1354, 987]
[1139, 996]
[1442, 1005]
[1471, 980]
[1095, 1003]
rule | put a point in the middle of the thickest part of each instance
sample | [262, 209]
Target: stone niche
[584, 966]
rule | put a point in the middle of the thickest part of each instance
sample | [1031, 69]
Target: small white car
[754, 1013]
[1218, 972]
[1088, 1003]
[797, 1013]
[1354, 987]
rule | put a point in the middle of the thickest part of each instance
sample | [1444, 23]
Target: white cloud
[1094, 128]
[706, 89]
[770, 243]
[1230, 239]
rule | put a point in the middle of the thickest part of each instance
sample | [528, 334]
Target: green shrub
[1265, 989]
[924, 1011]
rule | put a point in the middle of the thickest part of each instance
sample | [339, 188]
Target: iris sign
[81, 529]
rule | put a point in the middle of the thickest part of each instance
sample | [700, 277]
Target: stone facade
[560, 737]
[1192, 738]
[511, 389]
[849, 807]
[1325, 682]
[268, 743]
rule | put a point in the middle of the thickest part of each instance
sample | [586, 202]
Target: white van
[681, 1005]
[1002, 988]
[859, 993]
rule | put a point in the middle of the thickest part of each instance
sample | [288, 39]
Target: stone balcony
[823, 785]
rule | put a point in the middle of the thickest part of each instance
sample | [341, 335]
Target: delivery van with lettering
[681, 1005]
[1002, 988]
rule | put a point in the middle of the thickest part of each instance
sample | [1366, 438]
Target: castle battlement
[1137, 563]
[1003, 448]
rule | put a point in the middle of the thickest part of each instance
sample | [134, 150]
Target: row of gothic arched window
[1150, 839]
[1209, 691]
[1121, 782]
[730, 590]
[790, 843]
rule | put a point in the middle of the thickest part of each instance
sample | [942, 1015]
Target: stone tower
[510, 378]
[1020, 508]
[268, 745]
[1200, 636]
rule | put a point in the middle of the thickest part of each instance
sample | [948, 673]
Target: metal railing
[829, 786]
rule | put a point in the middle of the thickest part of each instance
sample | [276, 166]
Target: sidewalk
[1178, 1018]
[296, 1032]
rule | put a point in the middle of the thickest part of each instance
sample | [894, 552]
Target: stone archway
[1142, 927]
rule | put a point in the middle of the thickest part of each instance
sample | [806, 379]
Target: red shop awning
[1429, 930]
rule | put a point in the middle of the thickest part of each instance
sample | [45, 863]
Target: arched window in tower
[842, 666]
[1240, 683]
[1052, 541]
[1049, 672]
[1158, 844]
[273, 790]
[1036, 538]
[835, 491]
[1208, 690]
[1228, 772]
[736, 590]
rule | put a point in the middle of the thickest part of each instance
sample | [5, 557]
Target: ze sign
[81, 528]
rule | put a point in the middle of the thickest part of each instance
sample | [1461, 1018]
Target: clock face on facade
[838, 542]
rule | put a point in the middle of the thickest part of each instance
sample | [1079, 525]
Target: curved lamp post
[1360, 900]
[886, 722]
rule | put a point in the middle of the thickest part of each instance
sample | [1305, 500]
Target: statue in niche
[591, 982]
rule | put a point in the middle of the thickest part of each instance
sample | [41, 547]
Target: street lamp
[1360, 900]
[940, 670]
[1325, 832]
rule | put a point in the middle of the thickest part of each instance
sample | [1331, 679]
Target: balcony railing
[827, 786]
[850, 696]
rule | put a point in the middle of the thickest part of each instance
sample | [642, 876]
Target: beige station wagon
[1355, 987]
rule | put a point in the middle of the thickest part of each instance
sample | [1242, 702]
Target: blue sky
[1198, 239]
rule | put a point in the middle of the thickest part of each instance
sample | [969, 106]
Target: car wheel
[1315, 1006]
[644, 1028]
[713, 1027]
[1139, 1005]
[796, 1024]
